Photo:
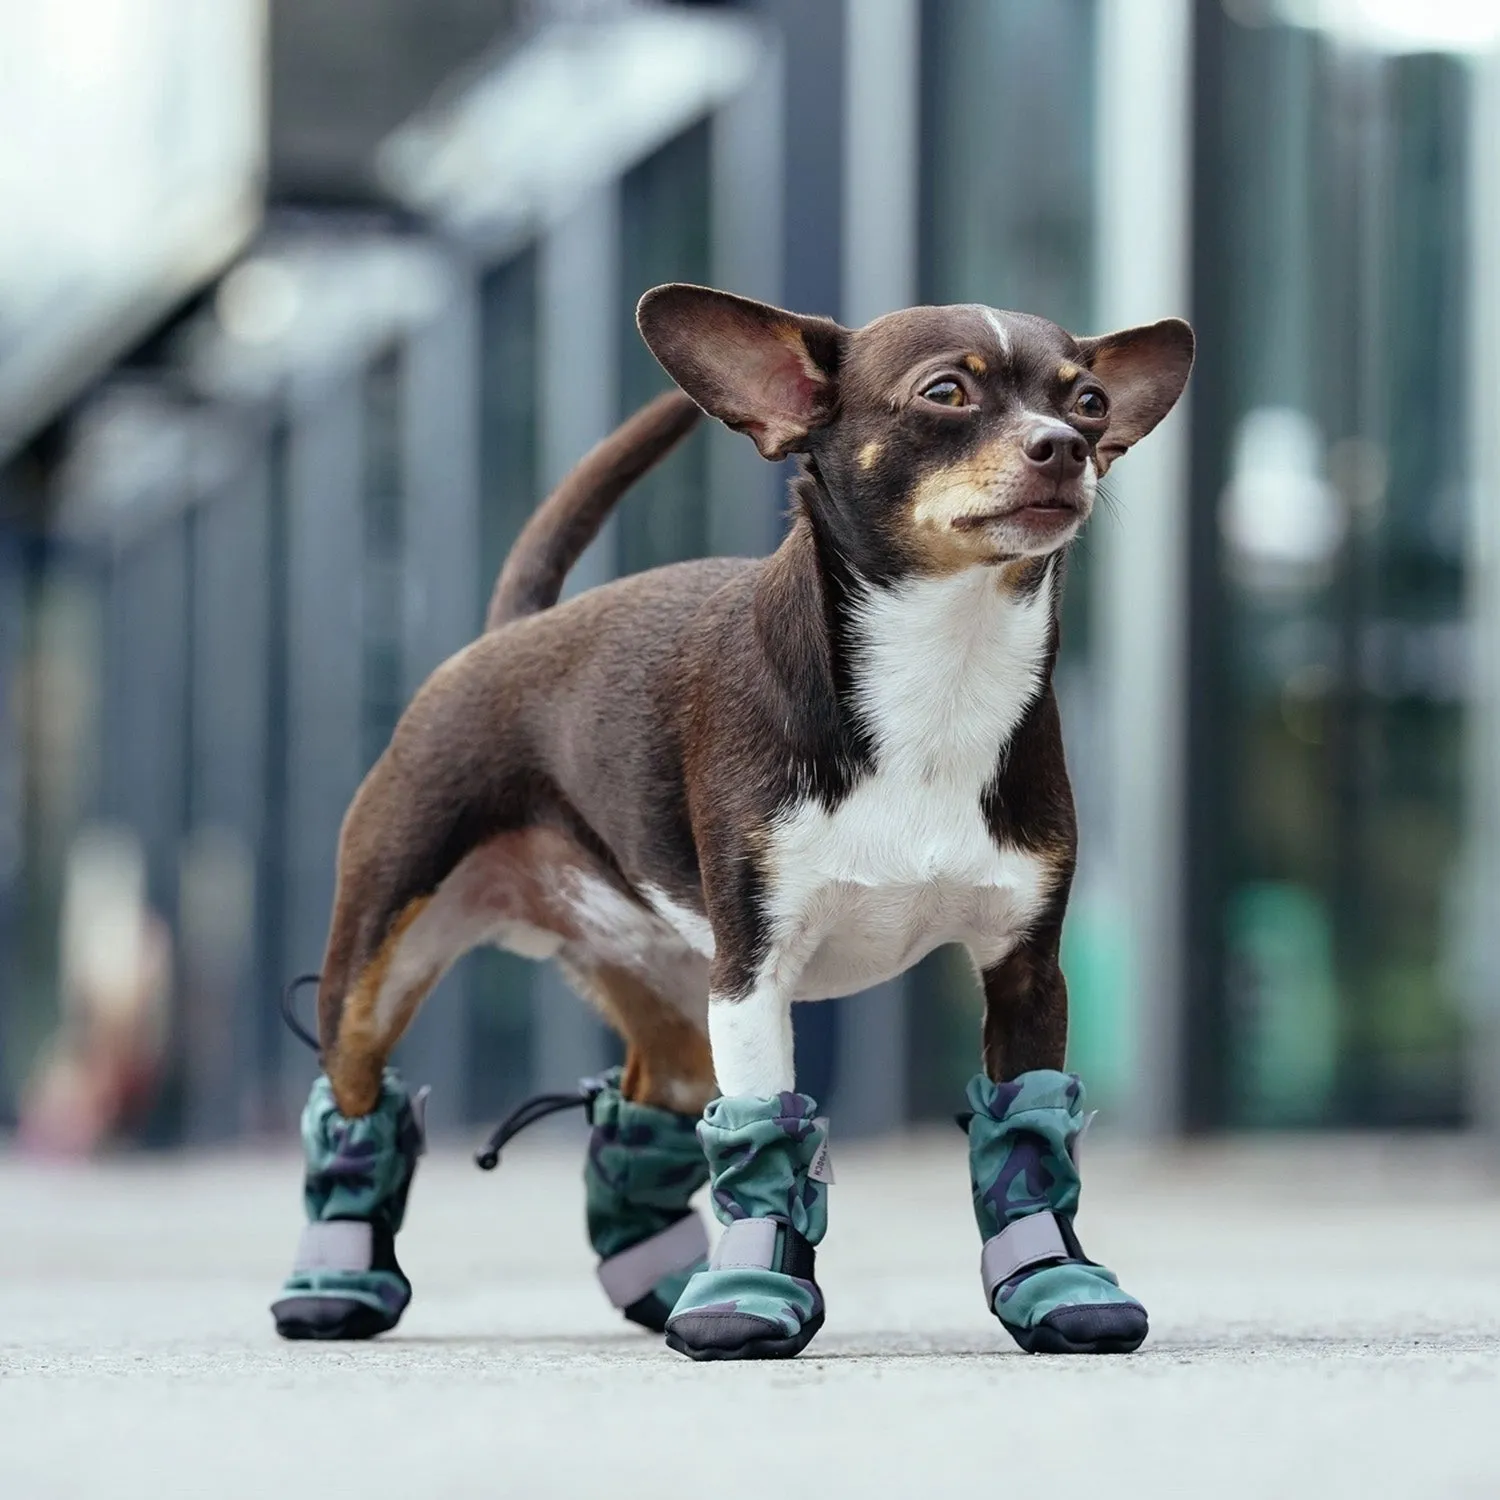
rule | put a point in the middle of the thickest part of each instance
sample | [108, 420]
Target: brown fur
[667, 1059]
[355, 1062]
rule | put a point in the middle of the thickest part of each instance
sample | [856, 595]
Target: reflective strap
[630, 1275]
[746, 1245]
[336, 1245]
[1026, 1242]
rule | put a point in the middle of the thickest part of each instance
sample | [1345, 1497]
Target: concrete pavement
[1325, 1322]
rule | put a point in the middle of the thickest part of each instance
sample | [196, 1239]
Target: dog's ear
[1143, 370]
[764, 372]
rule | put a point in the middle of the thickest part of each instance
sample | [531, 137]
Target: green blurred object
[1281, 947]
[1101, 1009]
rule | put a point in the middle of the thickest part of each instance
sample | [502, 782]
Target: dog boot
[1050, 1297]
[644, 1165]
[758, 1299]
[346, 1283]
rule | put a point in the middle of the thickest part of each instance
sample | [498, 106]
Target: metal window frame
[577, 277]
[1483, 955]
[441, 603]
[1144, 90]
[229, 739]
[323, 682]
[882, 124]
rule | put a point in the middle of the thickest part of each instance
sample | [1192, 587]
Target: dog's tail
[570, 517]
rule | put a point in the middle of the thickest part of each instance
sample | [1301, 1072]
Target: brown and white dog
[719, 787]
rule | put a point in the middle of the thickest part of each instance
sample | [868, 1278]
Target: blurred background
[304, 305]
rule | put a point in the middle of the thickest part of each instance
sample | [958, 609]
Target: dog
[721, 787]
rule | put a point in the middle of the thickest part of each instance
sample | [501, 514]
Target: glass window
[382, 699]
[273, 962]
[1333, 423]
[499, 995]
[509, 472]
[664, 226]
[1012, 226]
[1004, 223]
[12, 774]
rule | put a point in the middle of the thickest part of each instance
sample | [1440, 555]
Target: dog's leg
[668, 1063]
[758, 1299]
[1024, 1123]
[361, 1135]
[752, 1040]
[644, 1160]
[421, 879]
[1026, 1009]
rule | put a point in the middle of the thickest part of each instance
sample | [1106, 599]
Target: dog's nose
[1056, 449]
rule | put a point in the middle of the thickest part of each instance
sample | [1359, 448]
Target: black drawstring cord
[289, 1015]
[526, 1113]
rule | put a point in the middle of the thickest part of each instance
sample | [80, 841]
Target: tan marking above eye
[974, 364]
[1068, 373]
[868, 454]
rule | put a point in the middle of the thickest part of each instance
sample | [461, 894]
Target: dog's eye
[1092, 405]
[946, 393]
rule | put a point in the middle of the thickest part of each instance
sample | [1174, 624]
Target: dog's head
[945, 437]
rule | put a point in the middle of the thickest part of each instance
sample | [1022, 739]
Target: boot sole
[330, 1318]
[764, 1348]
[1044, 1339]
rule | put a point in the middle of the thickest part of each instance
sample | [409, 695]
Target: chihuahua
[717, 788]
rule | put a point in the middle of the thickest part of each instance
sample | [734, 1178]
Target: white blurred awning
[1398, 26]
[131, 149]
[575, 106]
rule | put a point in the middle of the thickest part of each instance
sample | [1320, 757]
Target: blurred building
[302, 308]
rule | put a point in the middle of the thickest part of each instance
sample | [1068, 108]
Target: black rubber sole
[1046, 1338]
[329, 1318]
[761, 1348]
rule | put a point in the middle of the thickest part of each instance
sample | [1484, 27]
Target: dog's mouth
[1050, 513]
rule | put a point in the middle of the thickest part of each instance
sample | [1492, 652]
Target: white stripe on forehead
[993, 319]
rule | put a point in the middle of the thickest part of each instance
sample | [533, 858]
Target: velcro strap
[750, 1245]
[630, 1275]
[1026, 1242]
[336, 1245]
[746, 1245]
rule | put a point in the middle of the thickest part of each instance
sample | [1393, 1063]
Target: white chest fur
[945, 669]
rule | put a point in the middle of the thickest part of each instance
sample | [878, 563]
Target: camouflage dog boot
[346, 1283]
[1050, 1297]
[757, 1299]
[644, 1165]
